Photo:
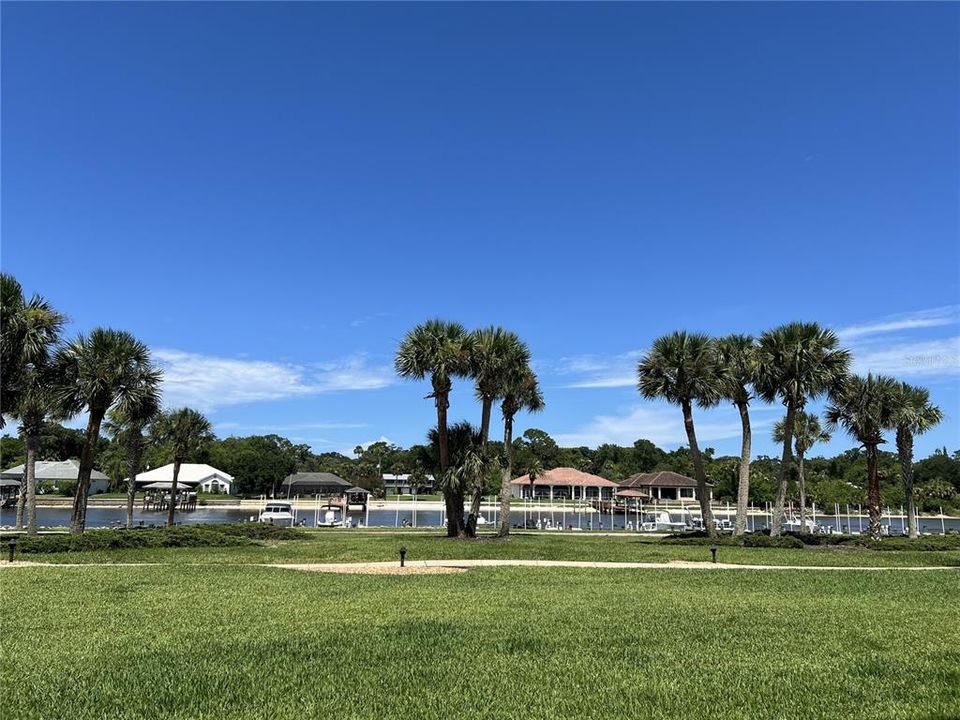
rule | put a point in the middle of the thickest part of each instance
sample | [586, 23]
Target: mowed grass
[358, 546]
[254, 642]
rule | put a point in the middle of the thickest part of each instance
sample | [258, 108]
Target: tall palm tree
[521, 391]
[32, 330]
[534, 472]
[105, 369]
[797, 362]
[441, 350]
[187, 432]
[738, 356]
[684, 369]
[914, 414]
[496, 354]
[127, 426]
[807, 432]
[865, 407]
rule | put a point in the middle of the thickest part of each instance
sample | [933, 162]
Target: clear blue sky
[271, 194]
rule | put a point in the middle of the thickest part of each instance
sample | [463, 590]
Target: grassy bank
[251, 642]
[356, 546]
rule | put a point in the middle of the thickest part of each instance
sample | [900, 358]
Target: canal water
[111, 516]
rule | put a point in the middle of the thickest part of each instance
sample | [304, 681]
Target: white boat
[662, 522]
[330, 518]
[277, 513]
[481, 520]
[793, 524]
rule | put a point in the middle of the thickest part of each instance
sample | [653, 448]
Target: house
[399, 484]
[564, 482]
[50, 473]
[199, 476]
[313, 483]
[663, 485]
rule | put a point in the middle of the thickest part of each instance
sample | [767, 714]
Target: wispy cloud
[933, 317]
[208, 382]
[599, 371]
[909, 359]
[662, 425]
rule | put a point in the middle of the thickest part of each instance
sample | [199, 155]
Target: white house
[199, 476]
[50, 473]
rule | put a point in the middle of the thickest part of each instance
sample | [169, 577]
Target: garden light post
[713, 552]
[11, 546]
[403, 554]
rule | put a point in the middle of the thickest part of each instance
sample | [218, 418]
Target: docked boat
[277, 513]
[330, 518]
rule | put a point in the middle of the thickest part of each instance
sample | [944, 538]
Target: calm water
[105, 517]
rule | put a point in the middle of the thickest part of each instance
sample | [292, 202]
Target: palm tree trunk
[743, 489]
[33, 444]
[702, 492]
[803, 493]
[776, 522]
[478, 491]
[873, 491]
[506, 477]
[78, 518]
[485, 411]
[21, 500]
[134, 450]
[449, 495]
[173, 492]
[905, 451]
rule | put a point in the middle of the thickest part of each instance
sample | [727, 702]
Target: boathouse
[663, 485]
[313, 483]
[198, 477]
[564, 483]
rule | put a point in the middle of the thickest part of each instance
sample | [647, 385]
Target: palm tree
[496, 354]
[683, 368]
[521, 391]
[796, 362]
[32, 329]
[807, 432]
[105, 369]
[534, 472]
[914, 414]
[187, 432]
[441, 350]
[738, 355]
[127, 427]
[865, 407]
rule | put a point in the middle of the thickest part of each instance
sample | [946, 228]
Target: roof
[315, 478]
[53, 470]
[9, 483]
[190, 474]
[663, 478]
[632, 493]
[565, 476]
[400, 477]
[355, 489]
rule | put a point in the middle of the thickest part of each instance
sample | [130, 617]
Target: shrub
[178, 536]
[784, 541]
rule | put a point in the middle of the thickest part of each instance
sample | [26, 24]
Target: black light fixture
[713, 551]
[403, 554]
[11, 546]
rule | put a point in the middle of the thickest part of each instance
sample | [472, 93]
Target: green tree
[864, 407]
[497, 355]
[683, 369]
[738, 356]
[38, 328]
[913, 415]
[796, 362]
[127, 425]
[807, 432]
[521, 392]
[441, 350]
[105, 369]
[186, 432]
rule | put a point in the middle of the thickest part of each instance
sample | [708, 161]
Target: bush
[750, 540]
[784, 541]
[179, 536]
[67, 488]
[932, 543]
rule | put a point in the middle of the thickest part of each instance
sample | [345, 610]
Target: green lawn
[354, 545]
[250, 642]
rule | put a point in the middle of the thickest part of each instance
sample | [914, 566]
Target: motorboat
[662, 522]
[330, 518]
[277, 513]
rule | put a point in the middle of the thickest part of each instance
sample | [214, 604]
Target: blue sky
[270, 195]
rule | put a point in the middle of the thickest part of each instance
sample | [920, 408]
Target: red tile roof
[565, 476]
[664, 478]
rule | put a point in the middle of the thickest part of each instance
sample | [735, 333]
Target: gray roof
[663, 478]
[52, 470]
[318, 478]
[356, 489]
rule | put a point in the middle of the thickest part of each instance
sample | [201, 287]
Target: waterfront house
[399, 484]
[196, 476]
[313, 483]
[51, 474]
[663, 485]
[564, 482]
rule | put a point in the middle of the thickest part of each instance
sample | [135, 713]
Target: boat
[662, 522]
[277, 513]
[793, 524]
[330, 518]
